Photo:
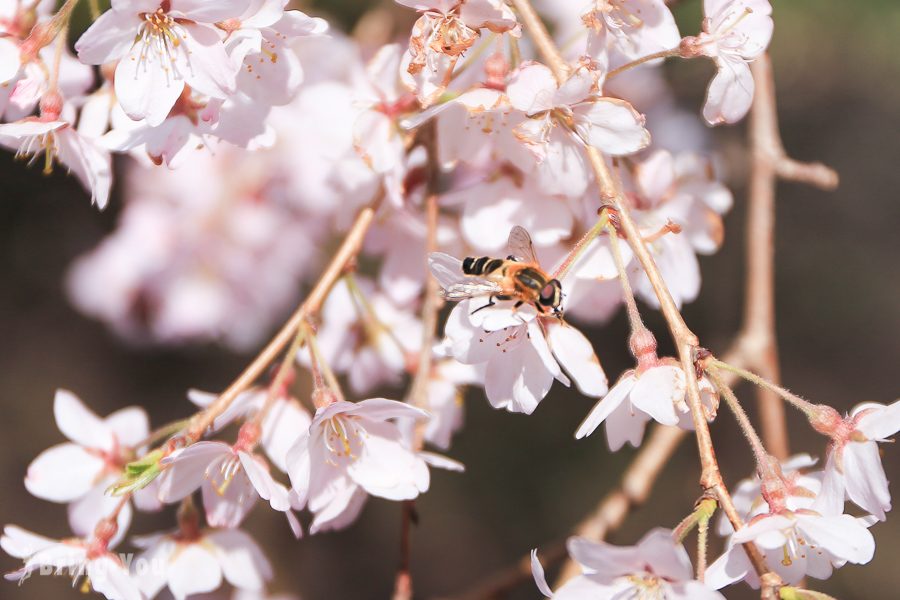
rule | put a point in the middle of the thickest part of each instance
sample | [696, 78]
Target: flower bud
[825, 420]
[51, 106]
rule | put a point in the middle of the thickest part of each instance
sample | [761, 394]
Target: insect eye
[550, 293]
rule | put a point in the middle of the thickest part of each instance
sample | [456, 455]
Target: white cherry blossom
[79, 471]
[657, 567]
[230, 477]
[193, 561]
[735, 32]
[853, 466]
[161, 46]
[54, 138]
[654, 391]
[351, 450]
[609, 124]
[77, 558]
[624, 30]
[796, 544]
[521, 353]
[444, 32]
[259, 40]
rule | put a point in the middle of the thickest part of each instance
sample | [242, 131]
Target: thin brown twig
[769, 162]
[685, 341]
[418, 390]
[345, 255]
[633, 490]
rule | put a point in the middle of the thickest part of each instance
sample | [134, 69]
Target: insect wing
[445, 268]
[471, 288]
[520, 245]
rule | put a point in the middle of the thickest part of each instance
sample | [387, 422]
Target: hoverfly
[518, 277]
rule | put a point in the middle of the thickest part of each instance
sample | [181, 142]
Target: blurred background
[528, 482]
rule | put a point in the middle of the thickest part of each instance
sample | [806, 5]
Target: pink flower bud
[826, 420]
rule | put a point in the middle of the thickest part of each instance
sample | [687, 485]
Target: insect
[518, 277]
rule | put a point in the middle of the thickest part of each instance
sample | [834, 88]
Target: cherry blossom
[197, 255]
[853, 466]
[797, 544]
[445, 399]
[629, 29]
[231, 477]
[89, 558]
[521, 353]
[354, 449]
[79, 471]
[162, 46]
[656, 567]
[259, 40]
[193, 561]
[655, 390]
[735, 32]
[444, 32]
[52, 137]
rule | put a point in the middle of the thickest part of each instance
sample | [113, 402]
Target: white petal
[112, 579]
[841, 535]
[21, 543]
[864, 477]
[880, 424]
[537, 571]
[612, 126]
[78, 423]
[531, 88]
[130, 425]
[656, 392]
[730, 567]
[243, 563]
[576, 355]
[606, 406]
[730, 92]
[63, 473]
[186, 469]
[193, 569]
[625, 424]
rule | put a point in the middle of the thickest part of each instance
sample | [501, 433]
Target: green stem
[642, 60]
[793, 399]
[581, 246]
[759, 450]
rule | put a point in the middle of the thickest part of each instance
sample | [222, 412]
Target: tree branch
[685, 340]
[345, 255]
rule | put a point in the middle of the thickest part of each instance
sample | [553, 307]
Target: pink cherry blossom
[230, 477]
[796, 544]
[79, 471]
[162, 46]
[89, 558]
[259, 40]
[853, 466]
[444, 32]
[193, 561]
[656, 391]
[56, 139]
[629, 29]
[521, 353]
[657, 567]
[735, 32]
[608, 124]
[354, 449]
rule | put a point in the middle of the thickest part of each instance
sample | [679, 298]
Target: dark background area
[528, 482]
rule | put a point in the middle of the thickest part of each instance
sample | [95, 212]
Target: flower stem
[642, 60]
[759, 451]
[582, 245]
[330, 382]
[794, 400]
[634, 315]
[281, 375]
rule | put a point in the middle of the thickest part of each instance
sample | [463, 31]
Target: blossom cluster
[256, 135]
